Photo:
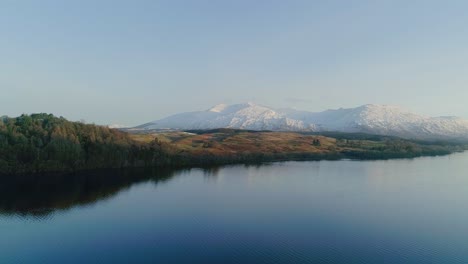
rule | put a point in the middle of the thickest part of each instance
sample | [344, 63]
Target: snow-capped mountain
[240, 116]
[373, 119]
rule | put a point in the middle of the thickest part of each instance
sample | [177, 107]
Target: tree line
[44, 143]
[40, 143]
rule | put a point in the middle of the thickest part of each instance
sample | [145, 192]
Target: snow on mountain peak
[218, 108]
[370, 118]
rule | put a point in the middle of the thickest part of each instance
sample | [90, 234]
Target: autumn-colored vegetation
[229, 145]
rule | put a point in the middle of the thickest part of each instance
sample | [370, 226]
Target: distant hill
[371, 119]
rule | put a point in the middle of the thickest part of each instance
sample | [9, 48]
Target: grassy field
[225, 143]
[233, 142]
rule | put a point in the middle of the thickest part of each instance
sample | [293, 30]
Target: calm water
[399, 211]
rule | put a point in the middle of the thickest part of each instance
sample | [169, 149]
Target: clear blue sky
[130, 62]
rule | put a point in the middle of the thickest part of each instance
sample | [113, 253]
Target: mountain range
[373, 119]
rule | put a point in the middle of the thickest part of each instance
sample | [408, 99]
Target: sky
[131, 62]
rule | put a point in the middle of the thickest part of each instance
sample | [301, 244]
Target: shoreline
[43, 143]
[221, 163]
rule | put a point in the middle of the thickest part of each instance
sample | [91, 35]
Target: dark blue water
[398, 211]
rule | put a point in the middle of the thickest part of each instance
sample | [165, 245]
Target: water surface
[396, 211]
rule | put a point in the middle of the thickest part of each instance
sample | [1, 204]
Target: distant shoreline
[43, 143]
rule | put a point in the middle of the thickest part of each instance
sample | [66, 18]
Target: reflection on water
[39, 196]
[395, 211]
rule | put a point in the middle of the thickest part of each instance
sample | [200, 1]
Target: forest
[40, 143]
[45, 143]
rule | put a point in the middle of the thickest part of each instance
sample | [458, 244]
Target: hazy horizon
[122, 62]
[121, 125]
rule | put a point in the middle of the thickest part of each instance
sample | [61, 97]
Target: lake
[395, 211]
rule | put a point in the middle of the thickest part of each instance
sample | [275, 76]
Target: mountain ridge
[386, 120]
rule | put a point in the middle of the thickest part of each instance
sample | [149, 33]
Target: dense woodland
[45, 143]
[41, 143]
